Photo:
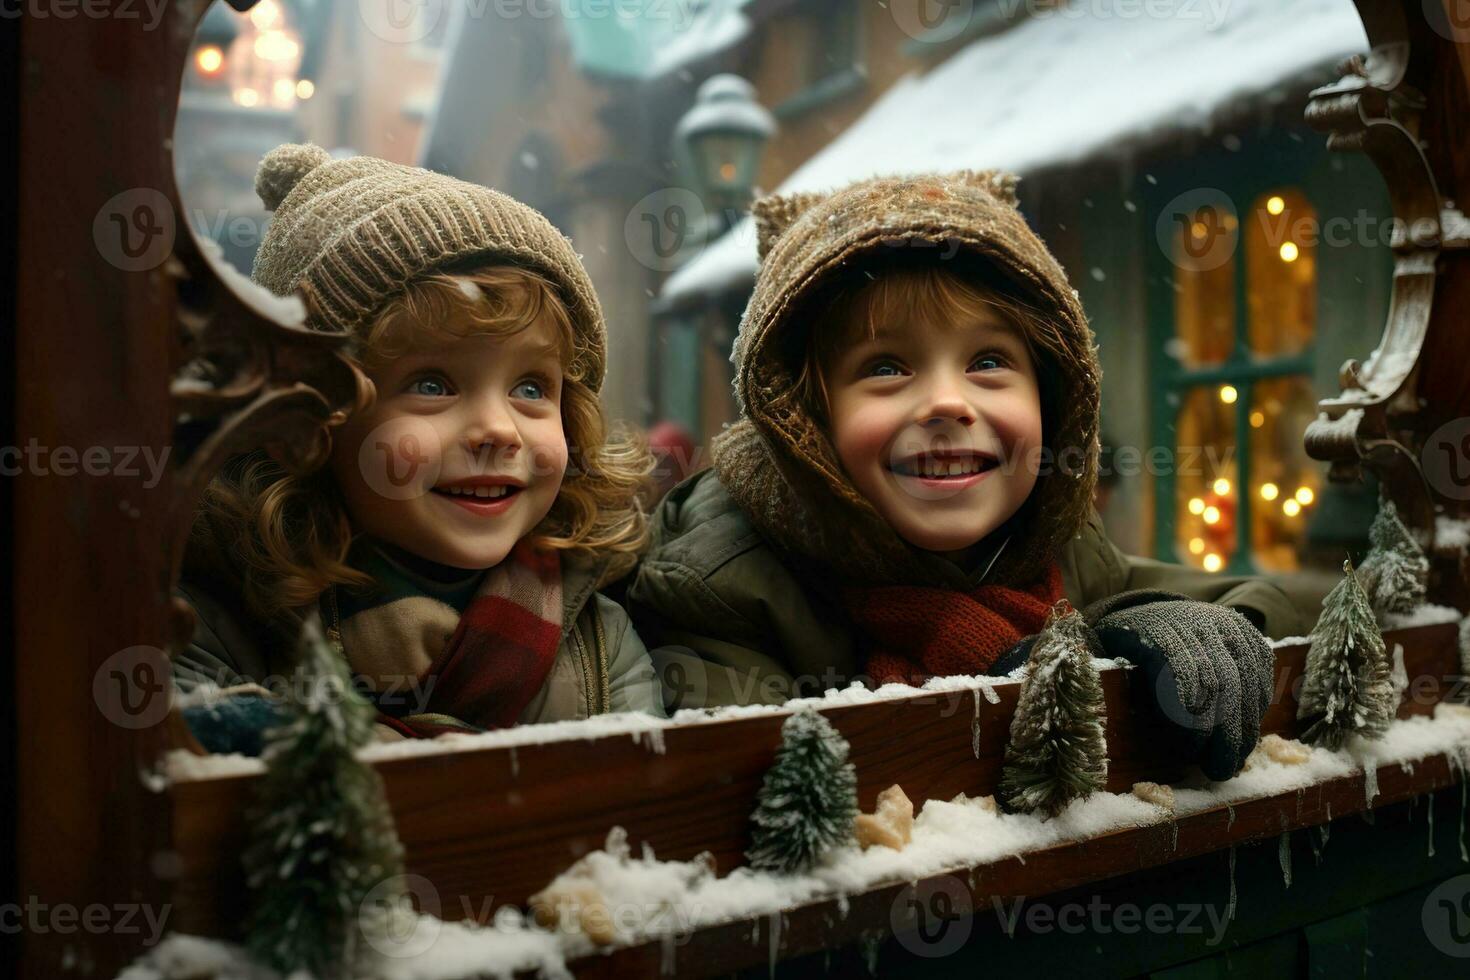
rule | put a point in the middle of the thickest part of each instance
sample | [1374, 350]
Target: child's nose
[492, 425]
[945, 401]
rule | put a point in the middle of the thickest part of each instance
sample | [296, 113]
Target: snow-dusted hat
[779, 462]
[352, 233]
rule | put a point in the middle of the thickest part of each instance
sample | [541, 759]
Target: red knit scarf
[482, 667]
[912, 633]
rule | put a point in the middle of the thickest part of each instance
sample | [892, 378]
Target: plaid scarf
[914, 632]
[448, 650]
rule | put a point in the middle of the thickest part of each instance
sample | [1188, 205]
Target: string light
[1222, 487]
[1289, 251]
[1213, 562]
[1304, 495]
[1276, 205]
[1196, 506]
[1212, 515]
[1258, 419]
[1270, 491]
[305, 89]
[1196, 546]
[1291, 508]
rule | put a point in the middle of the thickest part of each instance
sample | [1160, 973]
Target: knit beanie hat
[779, 463]
[352, 233]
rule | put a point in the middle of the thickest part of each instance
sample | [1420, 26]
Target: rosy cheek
[862, 429]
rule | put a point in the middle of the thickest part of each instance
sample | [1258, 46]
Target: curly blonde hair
[287, 534]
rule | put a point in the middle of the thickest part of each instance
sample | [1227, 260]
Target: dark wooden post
[141, 364]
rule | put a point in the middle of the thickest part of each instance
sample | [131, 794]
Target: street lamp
[720, 138]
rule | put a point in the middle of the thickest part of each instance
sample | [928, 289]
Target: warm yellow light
[1305, 496]
[305, 89]
[1222, 487]
[1275, 205]
[1196, 546]
[247, 97]
[1228, 394]
[265, 15]
[1270, 491]
[1196, 506]
[1258, 419]
[1213, 562]
[209, 59]
[1291, 508]
[1212, 515]
[1198, 229]
[283, 90]
[1289, 251]
[276, 46]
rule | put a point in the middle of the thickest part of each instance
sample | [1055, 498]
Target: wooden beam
[500, 823]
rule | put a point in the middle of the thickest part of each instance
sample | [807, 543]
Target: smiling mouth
[478, 493]
[944, 466]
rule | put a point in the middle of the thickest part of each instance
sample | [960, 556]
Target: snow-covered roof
[1061, 86]
[651, 38]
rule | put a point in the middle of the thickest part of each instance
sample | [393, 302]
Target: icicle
[775, 946]
[1460, 837]
[1316, 848]
[1174, 832]
[1284, 855]
[1231, 821]
[666, 960]
[1370, 782]
[842, 905]
[975, 728]
[990, 694]
[870, 953]
[515, 764]
[1430, 808]
[653, 738]
[1230, 906]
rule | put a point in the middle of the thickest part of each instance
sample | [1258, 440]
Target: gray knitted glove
[1209, 668]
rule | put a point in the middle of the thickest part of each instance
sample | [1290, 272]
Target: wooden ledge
[490, 827]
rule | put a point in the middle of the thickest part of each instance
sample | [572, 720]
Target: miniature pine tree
[1348, 688]
[808, 800]
[1395, 573]
[1057, 751]
[322, 837]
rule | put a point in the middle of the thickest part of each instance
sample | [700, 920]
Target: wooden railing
[103, 345]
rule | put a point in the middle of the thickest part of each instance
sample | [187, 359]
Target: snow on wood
[1061, 87]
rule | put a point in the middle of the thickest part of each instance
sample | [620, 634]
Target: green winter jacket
[730, 623]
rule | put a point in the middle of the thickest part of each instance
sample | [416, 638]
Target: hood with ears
[779, 462]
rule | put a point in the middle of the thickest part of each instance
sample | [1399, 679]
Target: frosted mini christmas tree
[808, 800]
[1348, 687]
[322, 837]
[1057, 751]
[1395, 574]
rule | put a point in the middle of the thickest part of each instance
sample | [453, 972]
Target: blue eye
[980, 362]
[433, 387]
[884, 369]
[528, 390]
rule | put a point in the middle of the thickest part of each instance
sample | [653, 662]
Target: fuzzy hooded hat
[779, 463]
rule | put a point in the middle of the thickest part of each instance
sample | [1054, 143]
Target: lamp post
[720, 140]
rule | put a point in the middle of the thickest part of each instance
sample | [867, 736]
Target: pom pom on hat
[283, 167]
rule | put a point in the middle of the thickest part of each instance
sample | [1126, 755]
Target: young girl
[454, 542]
[910, 488]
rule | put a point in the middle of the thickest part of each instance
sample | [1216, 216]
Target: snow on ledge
[652, 900]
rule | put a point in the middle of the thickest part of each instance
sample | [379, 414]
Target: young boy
[910, 488]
